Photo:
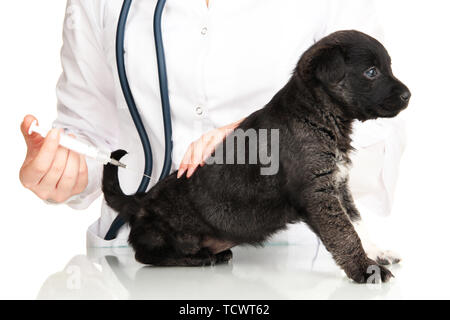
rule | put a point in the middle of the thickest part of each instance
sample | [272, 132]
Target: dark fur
[194, 222]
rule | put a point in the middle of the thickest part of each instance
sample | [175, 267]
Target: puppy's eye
[371, 73]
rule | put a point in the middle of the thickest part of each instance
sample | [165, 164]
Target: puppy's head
[354, 69]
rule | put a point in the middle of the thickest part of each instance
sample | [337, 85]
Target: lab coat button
[199, 111]
[204, 31]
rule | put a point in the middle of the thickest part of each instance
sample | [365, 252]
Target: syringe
[79, 147]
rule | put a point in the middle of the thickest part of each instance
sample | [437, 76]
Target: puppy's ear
[323, 63]
[329, 66]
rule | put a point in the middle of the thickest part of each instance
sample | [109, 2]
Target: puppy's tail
[126, 206]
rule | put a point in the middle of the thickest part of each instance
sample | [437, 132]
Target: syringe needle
[143, 174]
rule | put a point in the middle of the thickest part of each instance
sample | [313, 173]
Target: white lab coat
[223, 63]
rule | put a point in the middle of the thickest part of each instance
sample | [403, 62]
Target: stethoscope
[164, 91]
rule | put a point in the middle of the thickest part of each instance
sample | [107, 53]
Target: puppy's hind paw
[224, 256]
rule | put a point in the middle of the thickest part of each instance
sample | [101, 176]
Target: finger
[34, 140]
[33, 171]
[181, 171]
[207, 154]
[185, 162]
[26, 124]
[191, 169]
[82, 180]
[196, 158]
[209, 149]
[69, 177]
[201, 151]
[51, 178]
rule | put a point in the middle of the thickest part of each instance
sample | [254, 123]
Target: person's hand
[202, 148]
[52, 172]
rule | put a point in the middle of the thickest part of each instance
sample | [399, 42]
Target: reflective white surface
[37, 265]
[304, 270]
[273, 272]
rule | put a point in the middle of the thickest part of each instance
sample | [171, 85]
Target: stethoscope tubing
[128, 95]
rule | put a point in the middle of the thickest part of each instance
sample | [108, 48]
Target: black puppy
[195, 222]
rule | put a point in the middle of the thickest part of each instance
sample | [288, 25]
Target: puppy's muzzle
[405, 96]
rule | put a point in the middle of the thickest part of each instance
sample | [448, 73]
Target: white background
[37, 240]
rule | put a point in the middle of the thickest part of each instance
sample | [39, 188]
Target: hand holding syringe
[78, 146]
[49, 170]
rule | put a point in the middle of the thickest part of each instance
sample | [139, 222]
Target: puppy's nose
[405, 96]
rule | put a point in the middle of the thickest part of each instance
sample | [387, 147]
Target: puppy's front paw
[384, 257]
[376, 273]
[368, 272]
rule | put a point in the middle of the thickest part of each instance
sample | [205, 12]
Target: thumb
[34, 140]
